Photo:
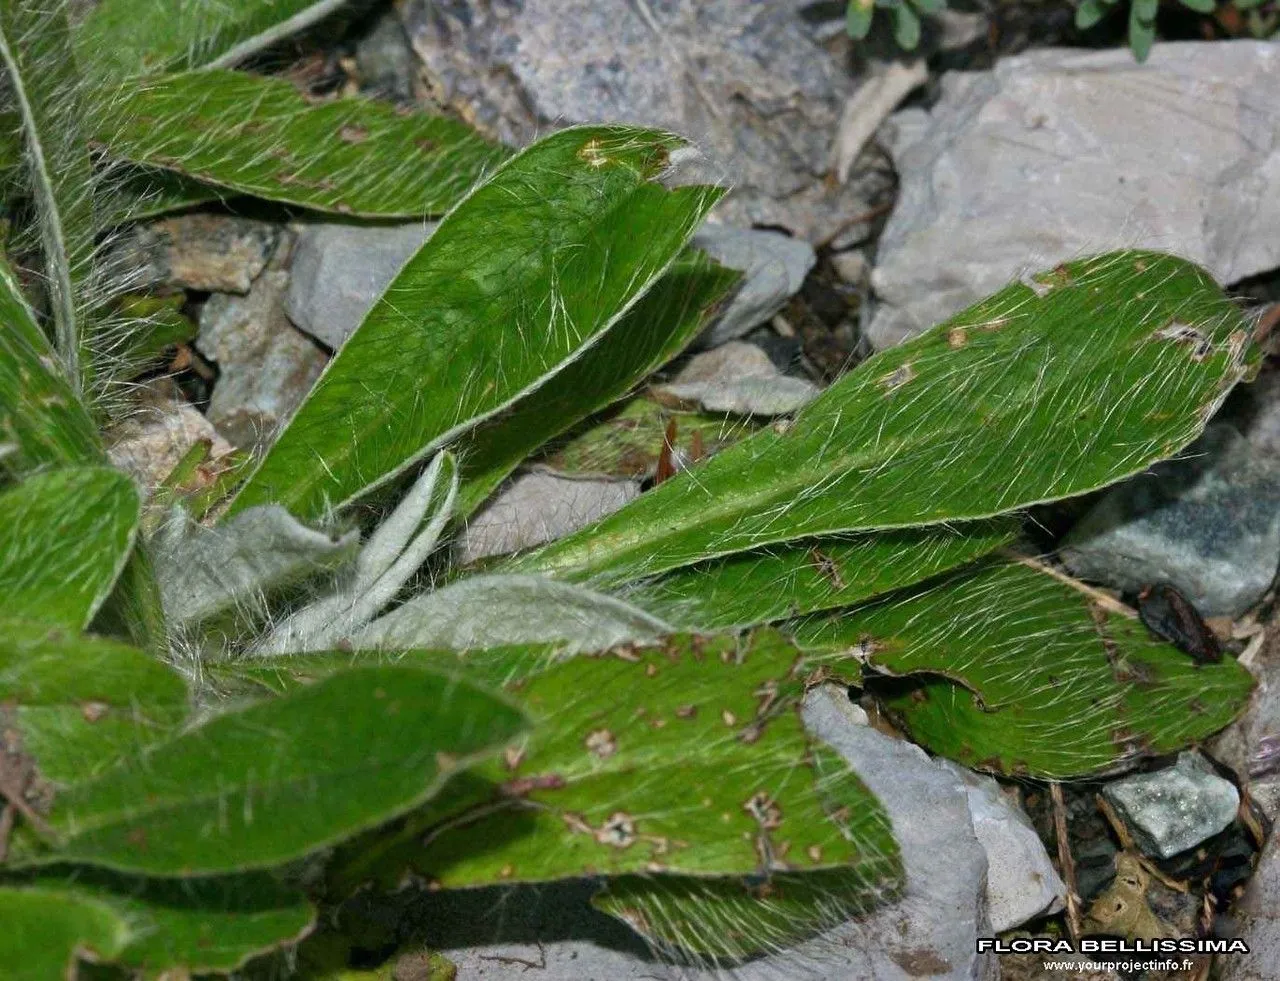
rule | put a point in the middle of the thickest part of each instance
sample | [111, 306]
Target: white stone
[1059, 153]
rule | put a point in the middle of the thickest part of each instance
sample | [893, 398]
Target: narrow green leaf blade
[194, 925]
[1200, 6]
[41, 420]
[518, 281]
[1036, 681]
[1083, 376]
[64, 537]
[132, 37]
[259, 136]
[655, 330]
[278, 779]
[82, 703]
[35, 54]
[818, 574]
[46, 928]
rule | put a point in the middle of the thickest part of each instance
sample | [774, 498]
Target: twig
[6, 829]
[16, 799]
[1065, 860]
[540, 964]
[858, 219]
[1104, 600]
[867, 108]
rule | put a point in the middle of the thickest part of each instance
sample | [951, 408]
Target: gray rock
[539, 507]
[1176, 808]
[266, 366]
[928, 932]
[217, 253]
[339, 270]
[742, 79]
[1255, 918]
[1060, 152]
[385, 61]
[736, 377]
[1251, 744]
[1022, 883]
[774, 267]
[153, 440]
[1208, 522]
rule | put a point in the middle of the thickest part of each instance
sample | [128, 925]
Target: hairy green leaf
[64, 537]
[259, 136]
[278, 779]
[819, 574]
[35, 53]
[683, 759]
[1052, 387]
[45, 928]
[1089, 13]
[82, 703]
[858, 17]
[194, 925]
[518, 281]
[1200, 6]
[41, 420]
[1029, 677]
[657, 328]
[906, 26]
[130, 37]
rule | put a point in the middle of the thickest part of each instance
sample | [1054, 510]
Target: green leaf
[683, 759]
[276, 780]
[64, 537]
[46, 928]
[1036, 680]
[194, 925]
[1089, 13]
[41, 420]
[1142, 27]
[519, 280]
[930, 6]
[259, 136]
[128, 37]
[906, 26]
[628, 442]
[657, 328]
[858, 17]
[35, 54]
[82, 703]
[1200, 6]
[818, 574]
[1078, 378]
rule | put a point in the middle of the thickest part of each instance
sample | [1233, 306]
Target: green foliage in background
[226, 712]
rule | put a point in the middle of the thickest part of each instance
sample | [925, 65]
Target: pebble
[1174, 809]
[217, 253]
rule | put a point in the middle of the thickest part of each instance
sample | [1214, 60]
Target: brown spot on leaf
[896, 378]
[601, 743]
[686, 711]
[512, 757]
[814, 852]
[957, 337]
[618, 831]
[524, 786]
[506, 872]
[728, 718]
[651, 670]
[827, 568]
[1187, 336]
[93, 711]
[764, 809]
[353, 134]
[137, 837]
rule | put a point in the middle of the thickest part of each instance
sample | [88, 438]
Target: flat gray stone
[743, 80]
[266, 366]
[1022, 883]
[539, 507]
[739, 378]
[1208, 522]
[1176, 808]
[773, 265]
[1059, 153]
[338, 271]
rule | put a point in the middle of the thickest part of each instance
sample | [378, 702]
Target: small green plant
[905, 14]
[1142, 19]
[226, 712]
